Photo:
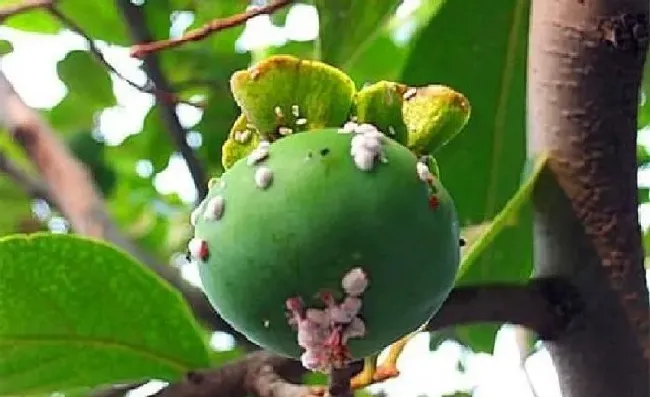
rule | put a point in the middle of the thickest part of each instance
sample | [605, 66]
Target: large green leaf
[346, 27]
[78, 313]
[483, 55]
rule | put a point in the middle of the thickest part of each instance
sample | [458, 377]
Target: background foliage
[480, 54]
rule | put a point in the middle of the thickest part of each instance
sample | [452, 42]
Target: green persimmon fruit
[285, 225]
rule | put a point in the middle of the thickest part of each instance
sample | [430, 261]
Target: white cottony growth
[311, 334]
[278, 111]
[197, 248]
[259, 153]
[301, 121]
[364, 160]
[355, 282]
[366, 128]
[194, 216]
[423, 171]
[317, 316]
[366, 147]
[356, 329]
[311, 359]
[295, 110]
[242, 136]
[346, 311]
[263, 177]
[214, 208]
[410, 93]
[284, 131]
[348, 128]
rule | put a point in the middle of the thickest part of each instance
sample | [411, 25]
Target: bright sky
[31, 68]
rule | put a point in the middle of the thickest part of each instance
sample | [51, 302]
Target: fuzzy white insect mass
[355, 282]
[263, 177]
[423, 171]
[259, 153]
[214, 208]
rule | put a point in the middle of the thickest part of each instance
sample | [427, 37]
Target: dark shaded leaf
[346, 27]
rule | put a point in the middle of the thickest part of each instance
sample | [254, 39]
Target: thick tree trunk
[585, 67]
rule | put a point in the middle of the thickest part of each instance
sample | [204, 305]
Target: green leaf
[73, 114]
[5, 47]
[86, 77]
[35, 21]
[507, 216]
[151, 143]
[347, 27]
[100, 19]
[381, 104]
[486, 61]
[97, 317]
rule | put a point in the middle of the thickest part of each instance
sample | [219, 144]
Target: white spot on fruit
[266, 323]
[198, 249]
[284, 131]
[295, 110]
[258, 154]
[196, 213]
[301, 121]
[423, 172]
[214, 208]
[366, 147]
[355, 282]
[278, 112]
[263, 177]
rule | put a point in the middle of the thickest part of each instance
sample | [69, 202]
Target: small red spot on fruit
[434, 202]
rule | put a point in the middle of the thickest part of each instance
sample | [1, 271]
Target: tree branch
[71, 190]
[33, 187]
[27, 5]
[586, 62]
[138, 27]
[547, 305]
[146, 48]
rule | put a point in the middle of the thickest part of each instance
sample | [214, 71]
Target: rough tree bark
[585, 68]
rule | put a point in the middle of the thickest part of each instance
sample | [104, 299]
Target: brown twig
[143, 49]
[27, 5]
[136, 22]
[162, 95]
[547, 305]
[32, 186]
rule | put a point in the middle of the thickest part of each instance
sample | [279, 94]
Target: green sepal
[380, 104]
[243, 138]
[434, 115]
[286, 92]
